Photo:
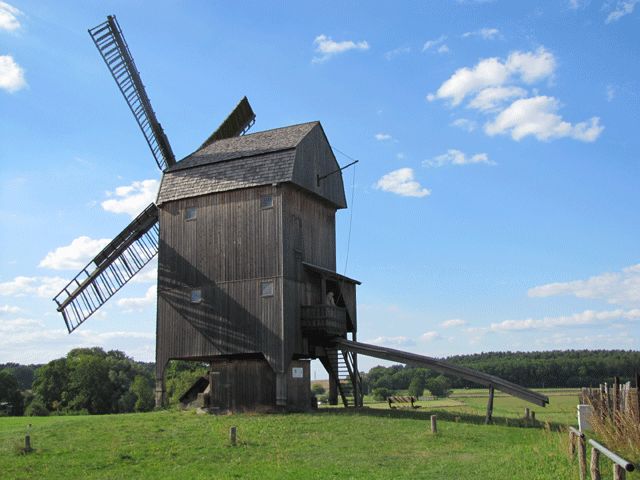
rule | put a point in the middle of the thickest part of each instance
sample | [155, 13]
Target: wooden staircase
[341, 365]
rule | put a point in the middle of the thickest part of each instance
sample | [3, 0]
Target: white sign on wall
[297, 372]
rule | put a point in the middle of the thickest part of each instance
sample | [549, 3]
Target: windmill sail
[237, 123]
[110, 270]
[114, 50]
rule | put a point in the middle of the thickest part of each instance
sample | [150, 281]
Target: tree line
[552, 369]
[90, 380]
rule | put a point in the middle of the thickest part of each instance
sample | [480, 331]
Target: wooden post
[638, 396]
[233, 431]
[616, 399]
[572, 445]
[619, 473]
[526, 413]
[582, 457]
[595, 464]
[489, 416]
[434, 426]
[533, 417]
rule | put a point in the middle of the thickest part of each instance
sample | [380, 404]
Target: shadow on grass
[425, 415]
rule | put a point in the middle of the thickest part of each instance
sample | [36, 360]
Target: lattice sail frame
[113, 48]
[110, 270]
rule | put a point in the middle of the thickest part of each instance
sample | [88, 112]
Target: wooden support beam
[489, 416]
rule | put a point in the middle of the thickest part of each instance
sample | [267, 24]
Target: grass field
[372, 443]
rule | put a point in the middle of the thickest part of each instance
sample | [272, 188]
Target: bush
[317, 389]
[439, 386]
[381, 393]
[36, 409]
[416, 387]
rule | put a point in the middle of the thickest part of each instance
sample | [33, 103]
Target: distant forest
[90, 380]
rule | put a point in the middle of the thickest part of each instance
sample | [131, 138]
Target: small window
[266, 289]
[266, 201]
[190, 213]
[196, 295]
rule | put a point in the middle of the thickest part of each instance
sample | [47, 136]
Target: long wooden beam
[441, 366]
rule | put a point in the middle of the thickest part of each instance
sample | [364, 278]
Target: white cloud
[456, 157]
[454, 322]
[9, 309]
[429, 44]
[537, 116]
[464, 124]
[484, 33]
[529, 67]
[610, 92]
[45, 287]
[138, 303]
[491, 98]
[9, 17]
[443, 49]
[381, 137]
[588, 317]
[577, 4]
[75, 255]
[398, 341]
[619, 288]
[132, 199]
[622, 8]
[327, 47]
[391, 54]
[401, 182]
[148, 274]
[11, 74]
[430, 336]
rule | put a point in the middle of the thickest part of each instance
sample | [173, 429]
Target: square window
[266, 289]
[190, 213]
[266, 201]
[196, 295]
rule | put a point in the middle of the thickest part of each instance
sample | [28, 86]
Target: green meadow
[371, 443]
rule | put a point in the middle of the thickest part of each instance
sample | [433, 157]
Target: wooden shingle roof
[295, 154]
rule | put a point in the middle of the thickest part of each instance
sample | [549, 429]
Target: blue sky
[495, 202]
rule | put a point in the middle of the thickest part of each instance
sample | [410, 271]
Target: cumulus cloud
[454, 322]
[139, 303]
[528, 67]
[484, 33]
[132, 199]
[437, 45]
[588, 317]
[11, 74]
[9, 309]
[381, 137]
[401, 182]
[618, 288]
[430, 336]
[491, 98]
[148, 274]
[75, 255]
[45, 287]
[396, 52]
[464, 124]
[610, 92]
[398, 341]
[327, 48]
[537, 116]
[622, 8]
[9, 17]
[456, 157]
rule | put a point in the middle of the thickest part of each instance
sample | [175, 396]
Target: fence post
[595, 464]
[233, 432]
[582, 457]
[434, 426]
[619, 473]
[638, 396]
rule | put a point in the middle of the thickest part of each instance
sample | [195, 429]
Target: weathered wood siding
[242, 384]
[314, 157]
[227, 251]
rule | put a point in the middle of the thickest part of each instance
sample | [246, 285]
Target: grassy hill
[373, 443]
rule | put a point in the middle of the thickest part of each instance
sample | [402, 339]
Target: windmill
[244, 230]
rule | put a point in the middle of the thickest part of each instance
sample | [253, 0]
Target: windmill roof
[296, 154]
[250, 145]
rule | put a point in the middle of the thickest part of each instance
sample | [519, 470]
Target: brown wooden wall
[230, 247]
